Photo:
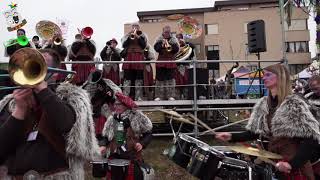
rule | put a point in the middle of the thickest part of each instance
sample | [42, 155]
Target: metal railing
[195, 102]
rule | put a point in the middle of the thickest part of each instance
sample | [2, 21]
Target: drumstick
[200, 122]
[224, 126]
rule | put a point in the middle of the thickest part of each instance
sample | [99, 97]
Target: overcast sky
[105, 17]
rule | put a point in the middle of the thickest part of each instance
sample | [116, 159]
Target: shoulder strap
[57, 142]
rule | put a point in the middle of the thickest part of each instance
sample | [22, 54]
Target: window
[297, 47]
[296, 68]
[212, 47]
[296, 25]
[245, 27]
[212, 29]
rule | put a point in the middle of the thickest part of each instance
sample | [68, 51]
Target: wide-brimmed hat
[126, 100]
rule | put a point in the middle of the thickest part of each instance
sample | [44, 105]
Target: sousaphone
[184, 53]
[47, 30]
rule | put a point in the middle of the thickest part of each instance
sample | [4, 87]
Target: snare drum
[233, 169]
[204, 163]
[99, 167]
[181, 152]
[118, 169]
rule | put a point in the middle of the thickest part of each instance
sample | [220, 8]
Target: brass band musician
[111, 53]
[134, 44]
[167, 46]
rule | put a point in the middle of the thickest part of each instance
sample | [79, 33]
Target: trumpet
[27, 68]
[135, 34]
[87, 32]
[167, 45]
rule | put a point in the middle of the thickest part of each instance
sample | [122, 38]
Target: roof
[241, 2]
[174, 11]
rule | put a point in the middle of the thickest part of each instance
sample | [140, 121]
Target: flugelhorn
[87, 32]
[167, 45]
[135, 34]
[27, 68]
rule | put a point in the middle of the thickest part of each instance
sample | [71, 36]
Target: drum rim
[126, 162]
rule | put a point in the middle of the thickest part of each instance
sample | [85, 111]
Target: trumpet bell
[87, 32]
[27, 67]
[22, 40]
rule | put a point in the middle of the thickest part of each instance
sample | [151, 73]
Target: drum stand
[250, 165]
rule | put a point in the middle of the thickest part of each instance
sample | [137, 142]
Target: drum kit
[209, 162]
[213, 162]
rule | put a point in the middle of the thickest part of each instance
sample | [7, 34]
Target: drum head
[99, 161]
[118, 162]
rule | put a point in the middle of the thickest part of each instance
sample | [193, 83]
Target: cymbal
[173, 113]
[255, 152]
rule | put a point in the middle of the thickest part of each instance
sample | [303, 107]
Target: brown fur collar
[293, 118]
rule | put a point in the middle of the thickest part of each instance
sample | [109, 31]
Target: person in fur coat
[148, 79]
[167, 46]
[47, 132]
[137, 133]
[102, 94]
[182, 72]
[314, 101]
[111, 53]
[133, 45]
[287, 121]
[83, 50]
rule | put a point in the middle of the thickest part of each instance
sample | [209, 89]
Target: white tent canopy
[304, 74]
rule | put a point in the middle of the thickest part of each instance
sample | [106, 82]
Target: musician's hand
[223, 136]
[103, 150]
[24, 101]
[39, 87]
[284, 167]
[138, 147]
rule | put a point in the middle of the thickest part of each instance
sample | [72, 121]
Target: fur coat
[173, 41]
[92, 88]
[139, 123]
[292, 119]
[81, 143]
[315, 104]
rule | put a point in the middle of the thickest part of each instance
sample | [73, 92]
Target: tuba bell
[184, 53]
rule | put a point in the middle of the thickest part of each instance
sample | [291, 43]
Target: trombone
[27, 68]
